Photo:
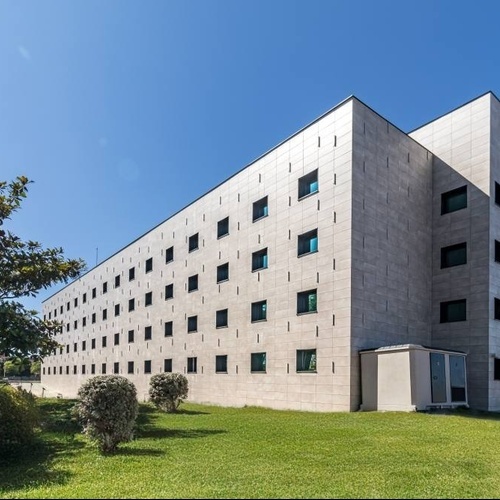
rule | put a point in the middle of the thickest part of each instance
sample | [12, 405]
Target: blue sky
[124, 111]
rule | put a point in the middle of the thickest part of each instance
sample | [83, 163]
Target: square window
[147, 366]
[259, 260]
[169, 328]
[148, 299]
[92, 369]
[130, 367]
[167, 365]
[116, 367]
[306, 360]
[454, 255]
[104, 314]
[193, 283]
[117, 339]
[258, 362]
[117, 309]
[103, 369]
[454, 200]
[221, 364]
[104, 342]
[223, 272]
[94, 293]
[148, 333]
[496, 369]
[307, 302]
[169, 291]
[192, 365]
[223, 227]
[131, 274]
[307, 243]
[117, 281]
[131, 336]
[453, 310]
[259, 311]
[149, 265]
[192, 324]
[193, 242]
[221, 318]
[131, 304]
[169, 255]
[260, 209]
[105, 287]
[497, 308]
[308, 184]
[92, 343]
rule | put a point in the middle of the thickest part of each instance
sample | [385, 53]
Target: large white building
[349, 235]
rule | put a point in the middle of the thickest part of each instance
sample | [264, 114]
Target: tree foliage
[26, 268]
[168, 390]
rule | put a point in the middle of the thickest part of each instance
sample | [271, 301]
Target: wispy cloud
[24, 52]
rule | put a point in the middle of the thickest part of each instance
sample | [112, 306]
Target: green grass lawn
[213, 452]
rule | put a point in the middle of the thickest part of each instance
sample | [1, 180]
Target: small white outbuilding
[412, 377]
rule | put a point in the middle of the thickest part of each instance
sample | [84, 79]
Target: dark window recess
[74, 370]
[117, 309]
[75, 347]
[454, 200]
[105, 287]
[221, 318]
[131, 304]
[192, 365]
[258, 362]
[497, 193]
[92, 369]
[259, 310]
[117, 281]
[259, 260]
[193, 283]
[116, 367]
[131, 336]
[169, 291]
[75, 302]
[169, 255]
[307, 243]
[497, 251]
[68, 306]
[92, 343]
[148, 299]
[104, 314]
[453, 310]
[193, 242]
[260, 209]
[147, 366]
[103, 369]
[192, 324]
[497, 308]
[117, 339]
[84, 345]
[84, 321]
[223, 272]
[93, 317]
[167, 365]
[104, 342]
[83, 369]
[130, 367]
[131, 274]
[149, 265]
[94, 293]
[169, 328]
[223, 227]
[307, 302]
[454, 255]
[306, 360]
[84, 298]
[148, 333]
[308, 184]
[221, 364]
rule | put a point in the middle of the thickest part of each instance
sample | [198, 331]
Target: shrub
[18, 417]
[168, 390]
[107, 409]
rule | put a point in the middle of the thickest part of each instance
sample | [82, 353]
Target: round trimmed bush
[18, 417]
[168, 390]
[107, 409]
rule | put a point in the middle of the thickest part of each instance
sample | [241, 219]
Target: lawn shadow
[191, 412]
[162, 433]
[138, 452]
[467, 413]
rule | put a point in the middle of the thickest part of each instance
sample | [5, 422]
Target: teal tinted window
[454, 200]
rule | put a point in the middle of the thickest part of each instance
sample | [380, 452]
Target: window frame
[222, 269]
[192, 284]
[260, 209]
[448, 196]
[221, 363]
[258, 254]
[301, 360]
[447, 251]
[305, 240]
[192, 364]
[254, 365]
[193, 240]
[223, 228]
[192, 324]
[254, 308]
[304, 297]
[222, 318]
[304, 182]
[444, 313]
